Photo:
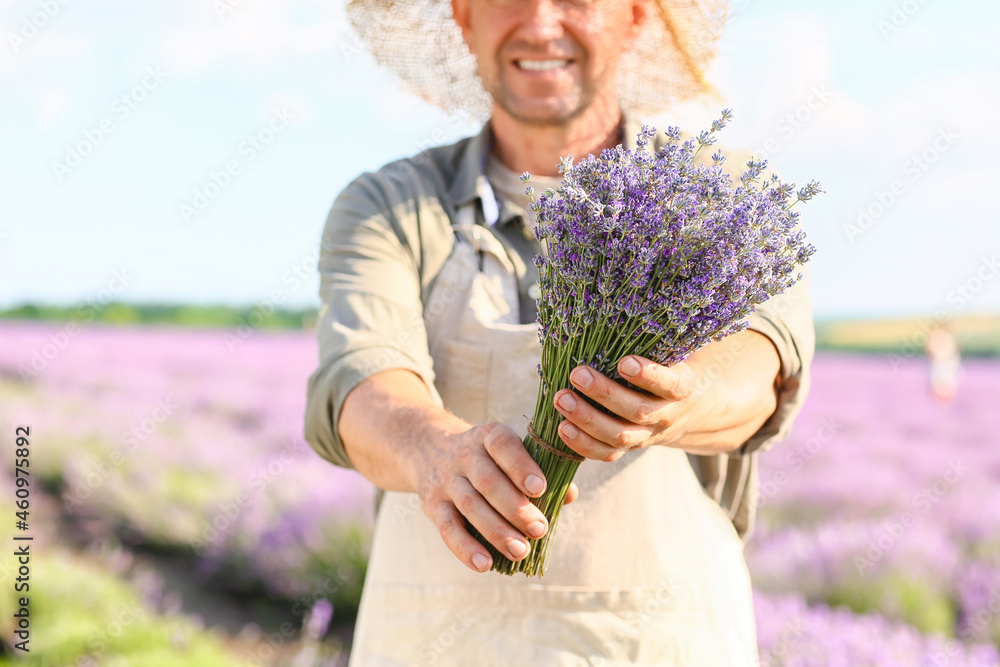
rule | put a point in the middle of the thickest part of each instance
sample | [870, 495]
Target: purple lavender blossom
[663, 249]
[653, 254]
[319, 619]
[979, 601]
[792, 634]
[818, 510]
[187, 444]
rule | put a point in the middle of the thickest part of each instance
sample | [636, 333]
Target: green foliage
[976, 335]
[190, 487]
[351, 567]
[78, 609]
[896, 596]
[121, 314]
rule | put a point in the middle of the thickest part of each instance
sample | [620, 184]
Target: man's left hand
[709, 404]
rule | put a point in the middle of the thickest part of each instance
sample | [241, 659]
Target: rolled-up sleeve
[786, 320]
[371, 314]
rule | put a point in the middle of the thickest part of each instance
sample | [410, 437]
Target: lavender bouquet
[647, 253]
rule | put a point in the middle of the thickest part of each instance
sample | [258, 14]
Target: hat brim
[420, 42]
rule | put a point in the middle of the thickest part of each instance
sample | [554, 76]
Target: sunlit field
[179, 518]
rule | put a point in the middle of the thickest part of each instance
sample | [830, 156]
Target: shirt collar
[470, 182]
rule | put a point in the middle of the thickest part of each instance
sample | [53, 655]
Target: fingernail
[481, 562]
[570, 431]
[630, 366]
[534, 484]
[536, 529]
[517, 548]
[567, 402]
[583, 378]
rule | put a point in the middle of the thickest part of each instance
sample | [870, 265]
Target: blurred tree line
[174, 314]
[977, 335]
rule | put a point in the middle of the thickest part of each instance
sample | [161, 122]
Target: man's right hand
[485, 475]
[399, 440]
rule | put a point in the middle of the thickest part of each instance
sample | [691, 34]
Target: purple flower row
[791, 633]
[159, 432]
[886, 500]
[178, 439]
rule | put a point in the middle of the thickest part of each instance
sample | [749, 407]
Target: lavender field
[878, 541]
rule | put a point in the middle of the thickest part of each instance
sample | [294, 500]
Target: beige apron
[645, 568]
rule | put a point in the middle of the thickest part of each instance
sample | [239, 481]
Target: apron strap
[480, 237]
[465, 227]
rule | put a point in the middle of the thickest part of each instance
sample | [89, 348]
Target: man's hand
[400, 441]
[485, 475]
[710, 404]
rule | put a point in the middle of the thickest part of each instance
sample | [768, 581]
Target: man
[429, 349]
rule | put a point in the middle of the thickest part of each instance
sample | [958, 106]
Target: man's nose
[542, 21]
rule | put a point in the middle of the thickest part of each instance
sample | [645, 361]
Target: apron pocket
[464, 379]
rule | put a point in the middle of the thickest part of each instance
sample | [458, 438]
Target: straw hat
[420, 41]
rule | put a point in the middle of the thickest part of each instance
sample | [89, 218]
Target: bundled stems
[558, 472]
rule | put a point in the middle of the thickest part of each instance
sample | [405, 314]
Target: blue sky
[266, 111]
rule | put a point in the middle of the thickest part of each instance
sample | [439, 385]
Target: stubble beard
[555, 117]
[503, 99]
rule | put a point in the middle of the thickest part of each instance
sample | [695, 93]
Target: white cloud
[960, 101]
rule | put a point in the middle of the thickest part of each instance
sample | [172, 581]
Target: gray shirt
[387, 236]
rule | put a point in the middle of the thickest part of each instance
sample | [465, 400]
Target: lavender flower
[792, 633]
[817, 512]
[663, 247]
[649, 253]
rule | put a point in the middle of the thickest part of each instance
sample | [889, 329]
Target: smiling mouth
[541, 65]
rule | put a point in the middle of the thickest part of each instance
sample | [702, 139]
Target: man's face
[546, 61]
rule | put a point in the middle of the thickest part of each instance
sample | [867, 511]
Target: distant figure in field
[943, 353]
